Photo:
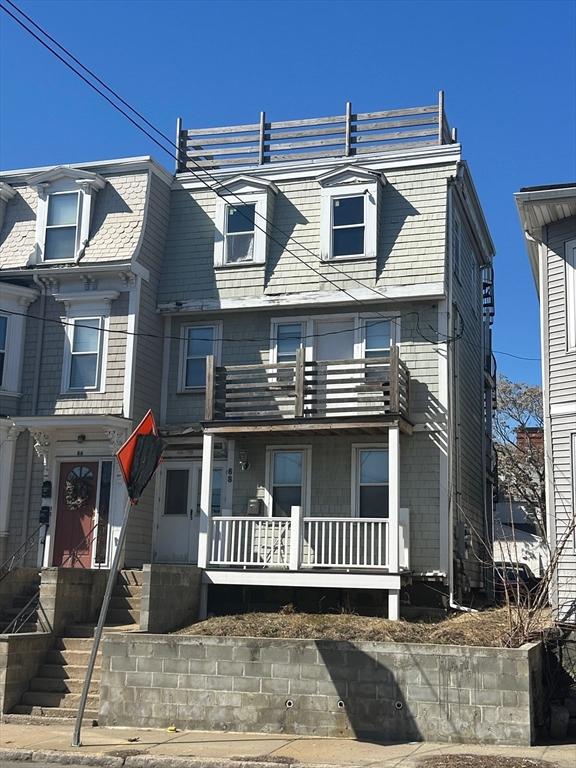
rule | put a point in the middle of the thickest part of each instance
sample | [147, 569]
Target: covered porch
[307, 509]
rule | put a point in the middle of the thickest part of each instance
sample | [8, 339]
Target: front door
[75, 514]
[334, 379]
[179, 513]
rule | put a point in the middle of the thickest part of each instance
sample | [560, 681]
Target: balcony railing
[299, 543]
[375, 386]
[347, 135]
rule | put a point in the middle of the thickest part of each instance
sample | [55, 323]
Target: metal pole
[76, 742]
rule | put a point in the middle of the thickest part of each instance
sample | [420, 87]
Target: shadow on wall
[108, 201]
[286, 218]
[395, 209]
[370, 705]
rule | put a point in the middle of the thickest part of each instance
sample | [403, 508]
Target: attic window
[348, 226]
[61, 226]
[240, 233]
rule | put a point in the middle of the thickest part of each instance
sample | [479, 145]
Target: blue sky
[508, 70]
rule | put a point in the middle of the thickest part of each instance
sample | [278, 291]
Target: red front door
[75, 514]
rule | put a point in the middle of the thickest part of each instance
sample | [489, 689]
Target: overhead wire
[447, 338]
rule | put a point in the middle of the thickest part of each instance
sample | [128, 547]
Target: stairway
[18, 602]
[54, 694]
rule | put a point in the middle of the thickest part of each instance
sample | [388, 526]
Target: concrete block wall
[383, 691]
[70, 595]
[20, 658]
[170, 596]
[17, 583]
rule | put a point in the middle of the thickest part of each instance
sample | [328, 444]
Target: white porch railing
[335, 542]
[298, 543]
[261, 541]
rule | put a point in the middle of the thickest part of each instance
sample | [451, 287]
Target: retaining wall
[383, 691]
[70, 595]
[20, 658]
[170, 596]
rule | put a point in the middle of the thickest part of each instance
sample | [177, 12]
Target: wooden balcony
[308, 395]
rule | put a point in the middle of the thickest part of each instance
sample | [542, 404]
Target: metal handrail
[9, 564]
[34, 603]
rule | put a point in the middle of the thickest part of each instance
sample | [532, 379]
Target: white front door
[334, 342]
[179, 510]
[334, 339]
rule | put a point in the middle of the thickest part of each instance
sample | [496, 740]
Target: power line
[204, 171]
[447, 338]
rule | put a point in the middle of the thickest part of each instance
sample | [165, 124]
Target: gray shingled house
[548, 219]
[317, 296]
[327, 388]
[80, 260]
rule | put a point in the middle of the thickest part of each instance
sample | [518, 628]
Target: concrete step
[124, 602]
[14, 611]
[56, 700]
[122, 616]
[127, 590]
[59, 685]
[79, 630]
[67, 672]
[130, 576]
[73, 644]
[22, 629]
[51, 714]
[77, 658]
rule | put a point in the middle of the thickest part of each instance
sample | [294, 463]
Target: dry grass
[489, 628]
[483, 761]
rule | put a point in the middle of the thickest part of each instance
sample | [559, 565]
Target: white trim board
[419, 291]
[311, 578]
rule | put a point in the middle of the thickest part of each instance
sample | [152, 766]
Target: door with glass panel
[369, 542]
[287, 481]
[179, 513]
[334, 380]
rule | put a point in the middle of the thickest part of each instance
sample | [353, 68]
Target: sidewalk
[145, 747]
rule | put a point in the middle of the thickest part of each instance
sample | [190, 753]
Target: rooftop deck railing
[347, 135]
[327, 389]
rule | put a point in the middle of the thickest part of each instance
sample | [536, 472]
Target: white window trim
[306, 476]
[62, 180]
[102, 355]
[308, 324]
[263, 200]
[355, 472]
[570, 254]
[370, 191]
[87, 304]
[217, 352]
[17, 299]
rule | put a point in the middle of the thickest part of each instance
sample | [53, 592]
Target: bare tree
[518, 439]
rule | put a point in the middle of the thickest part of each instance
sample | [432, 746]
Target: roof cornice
[122, 165]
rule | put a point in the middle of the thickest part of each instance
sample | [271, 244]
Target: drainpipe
[34, 405]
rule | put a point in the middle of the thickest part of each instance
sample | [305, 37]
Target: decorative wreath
[77, 488]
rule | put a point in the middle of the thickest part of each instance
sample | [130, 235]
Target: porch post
[205, 498]
[295, 527]
[393, 515]
[8, 436]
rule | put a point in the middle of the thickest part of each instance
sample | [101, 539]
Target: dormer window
[348, 226]
[244, 210]
[349, 213]
[239, 245]
[61, 226]
[65, 207]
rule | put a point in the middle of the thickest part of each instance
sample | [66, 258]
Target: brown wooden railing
[346, 135]
[375, 386]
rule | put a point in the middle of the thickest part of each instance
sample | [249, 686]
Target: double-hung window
[239, 246]
[85, 353]
[60, 240]
[348, 226]
[377, 338]
[199, 343]
[372, 482]
[288, 341]
[287, 481]
[3, 335]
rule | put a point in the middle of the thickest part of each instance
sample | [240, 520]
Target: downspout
[34, 404]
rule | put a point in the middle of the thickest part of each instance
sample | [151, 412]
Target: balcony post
[295, 528]
[210, 386]
[299, 384]
[394, 380]
[205, 499]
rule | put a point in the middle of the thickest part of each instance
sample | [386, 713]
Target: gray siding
[469, 416]
[560, 370]
[51, 399]
[411, 241]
